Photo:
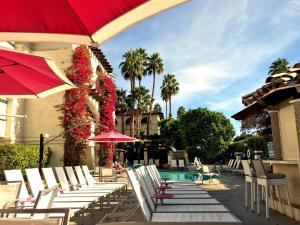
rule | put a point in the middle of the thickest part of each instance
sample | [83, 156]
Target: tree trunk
[166, 108]
[122, 121]
[170, 106]
[151, 105]
[132, 83]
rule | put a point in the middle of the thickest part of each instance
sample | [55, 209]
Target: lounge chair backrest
[173, 163]
[16, 175]
[142, 162]
[80, 175]
[72, 177]
[49, 177]
[238, 164]
[230, 163]
[35, 181]
[9, 192]
[107, 172]
[62, 178]
[151, 162]
[247, 168]
[156, 175]
[138, 193]
[205, 169]
[234, 164]
[181, 163]
[89, 178]
[259, 168]
[135, 161]
[44, 201]
[145, 175]
[153, 176]
[145, 189]
[156, 162]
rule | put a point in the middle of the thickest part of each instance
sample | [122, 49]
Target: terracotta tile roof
[102, 59]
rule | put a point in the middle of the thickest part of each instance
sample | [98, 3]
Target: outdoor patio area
[229, 191]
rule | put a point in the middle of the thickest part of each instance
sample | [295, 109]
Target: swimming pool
[181, 175]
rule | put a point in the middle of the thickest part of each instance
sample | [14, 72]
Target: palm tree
[143, 100]
[121, 106]
[154, 66]
[278, 66]
[142, 58]
[172, 88]
[130, 67]
[157, 108]
[165, 97]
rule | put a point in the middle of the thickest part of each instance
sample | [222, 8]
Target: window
[3, 108]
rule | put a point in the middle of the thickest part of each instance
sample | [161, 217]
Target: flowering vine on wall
[75, 115]
[106, 91]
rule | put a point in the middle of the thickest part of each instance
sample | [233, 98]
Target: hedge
[18, 156]
[253, 143]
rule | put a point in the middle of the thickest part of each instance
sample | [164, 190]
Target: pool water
[181, 175]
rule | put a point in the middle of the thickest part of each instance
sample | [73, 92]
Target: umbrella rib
[82, 27]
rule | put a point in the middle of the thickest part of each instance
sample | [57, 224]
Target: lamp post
[41, 157]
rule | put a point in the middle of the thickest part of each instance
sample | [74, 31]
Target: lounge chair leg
[257, 200]
[267, 202]
[246, 194]
[289, 201]
[279, 198]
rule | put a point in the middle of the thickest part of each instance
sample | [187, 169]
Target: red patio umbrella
[74, 21]
[112, 137]
[24, 75]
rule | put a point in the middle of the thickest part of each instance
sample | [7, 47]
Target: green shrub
[18, 156]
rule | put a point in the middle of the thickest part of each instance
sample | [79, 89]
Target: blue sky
[218, 50]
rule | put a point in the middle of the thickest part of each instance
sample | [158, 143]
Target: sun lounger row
[180, 164]
[78, 193]
[235, 166]
[174, 201]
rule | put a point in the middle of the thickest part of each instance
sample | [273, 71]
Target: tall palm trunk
[123, 121]
[166, 108]
[170, 106]
[132, 84]
[151, 105]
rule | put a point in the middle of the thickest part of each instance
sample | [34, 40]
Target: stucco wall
[288, 132]
[153, 126]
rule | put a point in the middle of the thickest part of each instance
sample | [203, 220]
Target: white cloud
[225, 104]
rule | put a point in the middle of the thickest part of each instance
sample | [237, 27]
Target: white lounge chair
[61, 220]
[9, 192]
[77, 204]
[203, 217]
[151, 162]
[195, 198]
[90, 181]
[174, 164]
[181, 164]
[67, 190]
[156, 162]
[142, 162]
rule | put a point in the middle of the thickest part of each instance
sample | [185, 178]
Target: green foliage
[254, 143]
[205, 133]
[181, 110]
[18, 156]
[170, 129]
[278, 66]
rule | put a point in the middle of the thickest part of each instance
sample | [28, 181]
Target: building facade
[153, 129]
[23, 120]
[280, 97]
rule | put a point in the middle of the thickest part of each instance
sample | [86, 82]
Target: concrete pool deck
[229, 191]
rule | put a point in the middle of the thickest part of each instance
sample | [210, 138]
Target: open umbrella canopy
[24, 75]
[74, 21]
[112, 136]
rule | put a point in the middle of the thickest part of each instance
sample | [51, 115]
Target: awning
[269, 100]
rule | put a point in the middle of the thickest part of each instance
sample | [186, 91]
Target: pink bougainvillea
[75, 119]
